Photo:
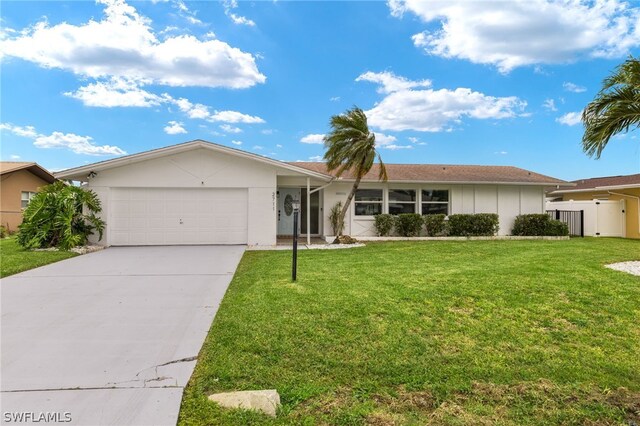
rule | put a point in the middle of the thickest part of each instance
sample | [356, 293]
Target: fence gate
[573, 218]
[602, 218]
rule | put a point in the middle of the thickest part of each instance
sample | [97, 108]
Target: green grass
[14, 259]
[483, 332]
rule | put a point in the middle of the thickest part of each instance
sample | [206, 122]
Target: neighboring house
[203, 193]
[20, 181]
[622, 189]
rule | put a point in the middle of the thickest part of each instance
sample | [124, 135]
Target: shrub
[473, 225]
[3, 231]
[408, 224]
[383, 224]
[538, 224]
[55, 217]
[556, 228]
[435, 224]
[337, 224]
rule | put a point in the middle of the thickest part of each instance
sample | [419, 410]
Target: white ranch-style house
[199, 192]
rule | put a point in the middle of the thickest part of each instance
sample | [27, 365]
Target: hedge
[435, 224]
[473, 225]
[408, 224]
[538, 225]
[383, 224]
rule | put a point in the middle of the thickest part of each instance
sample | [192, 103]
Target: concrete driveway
[109, 338]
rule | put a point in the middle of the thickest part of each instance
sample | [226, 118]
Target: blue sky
[442, 82]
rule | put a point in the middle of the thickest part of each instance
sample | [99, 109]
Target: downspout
[630, 196]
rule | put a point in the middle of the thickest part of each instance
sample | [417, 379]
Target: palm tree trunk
[343, 213]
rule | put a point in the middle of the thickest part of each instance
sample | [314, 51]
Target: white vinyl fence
[602, 218]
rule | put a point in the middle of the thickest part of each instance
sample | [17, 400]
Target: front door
[286, 196]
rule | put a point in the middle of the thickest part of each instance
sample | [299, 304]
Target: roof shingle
[446, 173]
[592, 183]
[35, 168]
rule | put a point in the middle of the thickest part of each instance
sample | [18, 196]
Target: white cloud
[413, 140]
[75, 143]
[237, 142]
[382, 139]
[550, 105]
[120, 92]
[14, 157]
[123, 44]
[241, 20]
[430, 110]
[501, 152]
[572, 87]
[334, 98]
[389, 82]
[267, 131]
[192, 110]
[229, 5]
[388, 142]
[394, 147]
[258, 148]
[313, 138]
[116, 92]
[202, 112]
[230, 129]
[570, 118]
[187, 14]
[174, 128]
[235, 117]
[511, 34]
[278, 146]
[26, 131]
[316, 158]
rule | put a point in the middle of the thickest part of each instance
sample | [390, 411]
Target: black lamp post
[294, 265]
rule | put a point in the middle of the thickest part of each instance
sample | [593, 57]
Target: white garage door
[172, 216]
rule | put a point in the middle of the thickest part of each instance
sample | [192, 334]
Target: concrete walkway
[109, 338]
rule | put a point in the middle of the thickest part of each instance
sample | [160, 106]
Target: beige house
[624, 190]
[20, 181]
[204, 193]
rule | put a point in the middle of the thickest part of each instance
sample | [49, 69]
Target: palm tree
[615, 108]
[351, 147]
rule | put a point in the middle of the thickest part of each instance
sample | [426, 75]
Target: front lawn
[482, 332]
[14, 259]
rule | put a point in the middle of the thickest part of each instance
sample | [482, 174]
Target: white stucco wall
[200, 168]
[508, 201]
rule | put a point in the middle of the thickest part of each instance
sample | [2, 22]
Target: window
[402, 201]
[25, 198]
[435, 201]
[368, 202]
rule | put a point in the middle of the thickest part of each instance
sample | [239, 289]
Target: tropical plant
[337, 224]
[351, 147]
[62, 216]
[615, 109]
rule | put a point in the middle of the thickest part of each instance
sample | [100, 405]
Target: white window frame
[448, 203]
[29, 196]
[355, 201]
[415, 202]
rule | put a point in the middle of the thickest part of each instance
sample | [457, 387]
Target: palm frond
[615, 109]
